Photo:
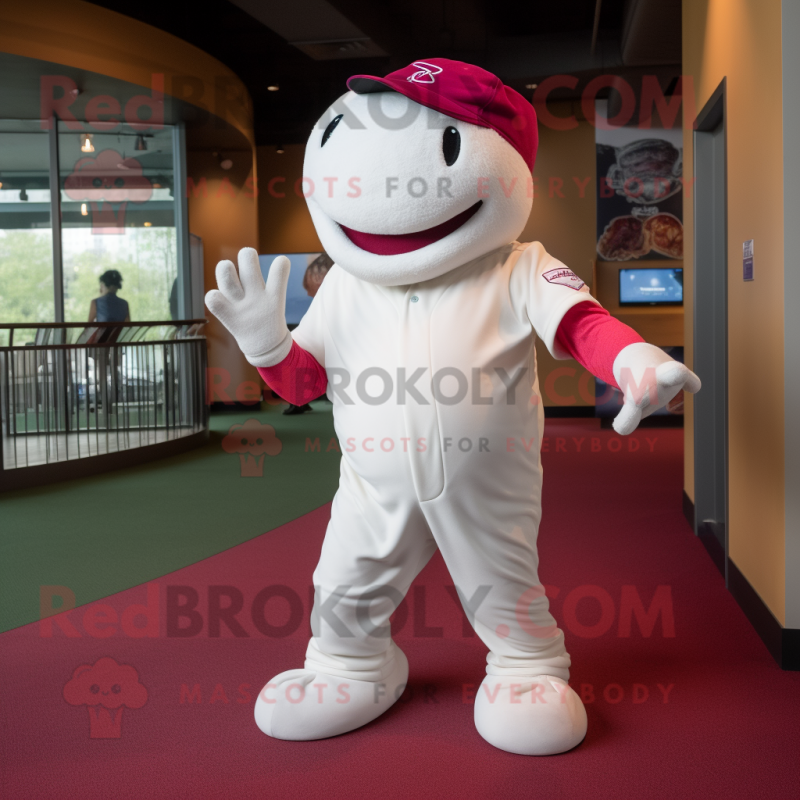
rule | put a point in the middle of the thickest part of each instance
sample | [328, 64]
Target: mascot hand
[649, 379]
[252, 311]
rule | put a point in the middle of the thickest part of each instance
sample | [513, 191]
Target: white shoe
[306, 704]
[537, 716]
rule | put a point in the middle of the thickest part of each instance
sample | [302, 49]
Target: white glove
[649, 379]
[252, 311]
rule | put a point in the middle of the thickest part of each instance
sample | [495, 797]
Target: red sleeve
[298, 378]
[590, 335]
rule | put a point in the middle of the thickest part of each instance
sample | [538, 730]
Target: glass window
[26, 239]
[118, 213]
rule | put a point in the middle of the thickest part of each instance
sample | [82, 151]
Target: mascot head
[420, 172]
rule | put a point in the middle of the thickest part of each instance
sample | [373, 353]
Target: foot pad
[538, 716]
[303, 704]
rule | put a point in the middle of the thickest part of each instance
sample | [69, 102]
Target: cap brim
[367, 84]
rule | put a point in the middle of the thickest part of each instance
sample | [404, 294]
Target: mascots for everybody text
[423, 333]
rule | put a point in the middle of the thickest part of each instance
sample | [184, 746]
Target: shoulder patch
[566, 277]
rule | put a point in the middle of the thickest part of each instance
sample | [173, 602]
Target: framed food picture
[639, 192]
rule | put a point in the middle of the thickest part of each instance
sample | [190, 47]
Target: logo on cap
[424, 73]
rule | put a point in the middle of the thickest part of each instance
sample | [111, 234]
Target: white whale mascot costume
[424, 333]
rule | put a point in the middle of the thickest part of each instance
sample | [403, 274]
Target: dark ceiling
[484, 32]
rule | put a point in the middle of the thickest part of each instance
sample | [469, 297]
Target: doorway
[711, 330]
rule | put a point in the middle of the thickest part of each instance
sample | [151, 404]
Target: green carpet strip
[103, 534]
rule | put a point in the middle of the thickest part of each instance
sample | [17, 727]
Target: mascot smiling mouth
[386, 244]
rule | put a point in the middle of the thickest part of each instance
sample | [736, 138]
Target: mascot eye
[329, 130]
[451, 145]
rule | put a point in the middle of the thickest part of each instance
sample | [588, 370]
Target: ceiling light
[86, 143]
[1, 184]
[156, 185]
[279, 149]
[148, 224]
[23, 195]
[273, 87]
[225, 163]
[84, 210]
[531, 85]
[141, 144]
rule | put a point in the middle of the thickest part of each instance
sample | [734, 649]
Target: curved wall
[82, 36]
[88, 37]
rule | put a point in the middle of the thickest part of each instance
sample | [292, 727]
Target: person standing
[108, 307]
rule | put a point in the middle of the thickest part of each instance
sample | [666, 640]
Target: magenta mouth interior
[386, 244]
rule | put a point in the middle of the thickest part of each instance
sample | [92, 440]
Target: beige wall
[284, 223]
[741, 41]
[566, 227]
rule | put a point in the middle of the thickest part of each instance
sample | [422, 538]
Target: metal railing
[72, 391]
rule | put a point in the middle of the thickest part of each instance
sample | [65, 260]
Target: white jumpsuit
[431, 465]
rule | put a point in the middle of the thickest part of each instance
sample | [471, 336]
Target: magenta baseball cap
[464, 92]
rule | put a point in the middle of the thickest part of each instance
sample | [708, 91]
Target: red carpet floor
[692, 706]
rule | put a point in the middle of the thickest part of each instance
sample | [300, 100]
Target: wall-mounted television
[651, 287]
[297, 299]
